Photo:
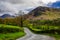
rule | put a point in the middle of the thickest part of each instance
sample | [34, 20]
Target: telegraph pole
[21, 15]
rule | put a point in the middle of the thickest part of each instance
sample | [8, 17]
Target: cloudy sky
[14, 6]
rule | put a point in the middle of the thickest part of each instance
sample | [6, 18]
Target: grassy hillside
[44, 13]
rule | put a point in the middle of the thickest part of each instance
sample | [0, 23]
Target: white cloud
[13, 6]
[6, 7]
[48, 1]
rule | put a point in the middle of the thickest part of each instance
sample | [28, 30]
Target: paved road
[31, 36]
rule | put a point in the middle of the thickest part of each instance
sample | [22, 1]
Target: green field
[11, 36]
[8, 32]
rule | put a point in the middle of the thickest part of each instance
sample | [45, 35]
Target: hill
[6, 16]
[46, 13]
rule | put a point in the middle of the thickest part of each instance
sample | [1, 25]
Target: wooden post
[21, 21]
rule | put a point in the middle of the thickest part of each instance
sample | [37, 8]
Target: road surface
[31, 36]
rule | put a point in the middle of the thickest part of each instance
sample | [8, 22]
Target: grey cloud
[14, 6]
[13, 1]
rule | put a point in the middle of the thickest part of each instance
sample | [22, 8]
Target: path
[31, 36]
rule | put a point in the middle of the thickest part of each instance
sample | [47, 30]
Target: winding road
[31, 36]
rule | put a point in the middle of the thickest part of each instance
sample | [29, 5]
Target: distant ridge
[6, 16]
[44, 13]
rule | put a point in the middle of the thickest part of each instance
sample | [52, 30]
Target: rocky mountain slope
[44, 13]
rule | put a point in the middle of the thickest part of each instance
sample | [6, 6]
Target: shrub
[7, 29]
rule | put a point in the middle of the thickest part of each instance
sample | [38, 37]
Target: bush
[7, 29]
[55, 22]
[45, 29]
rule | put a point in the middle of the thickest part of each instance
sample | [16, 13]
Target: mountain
[6, 16]
[44, 13]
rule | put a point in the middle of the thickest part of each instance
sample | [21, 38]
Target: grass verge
[11, 36]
